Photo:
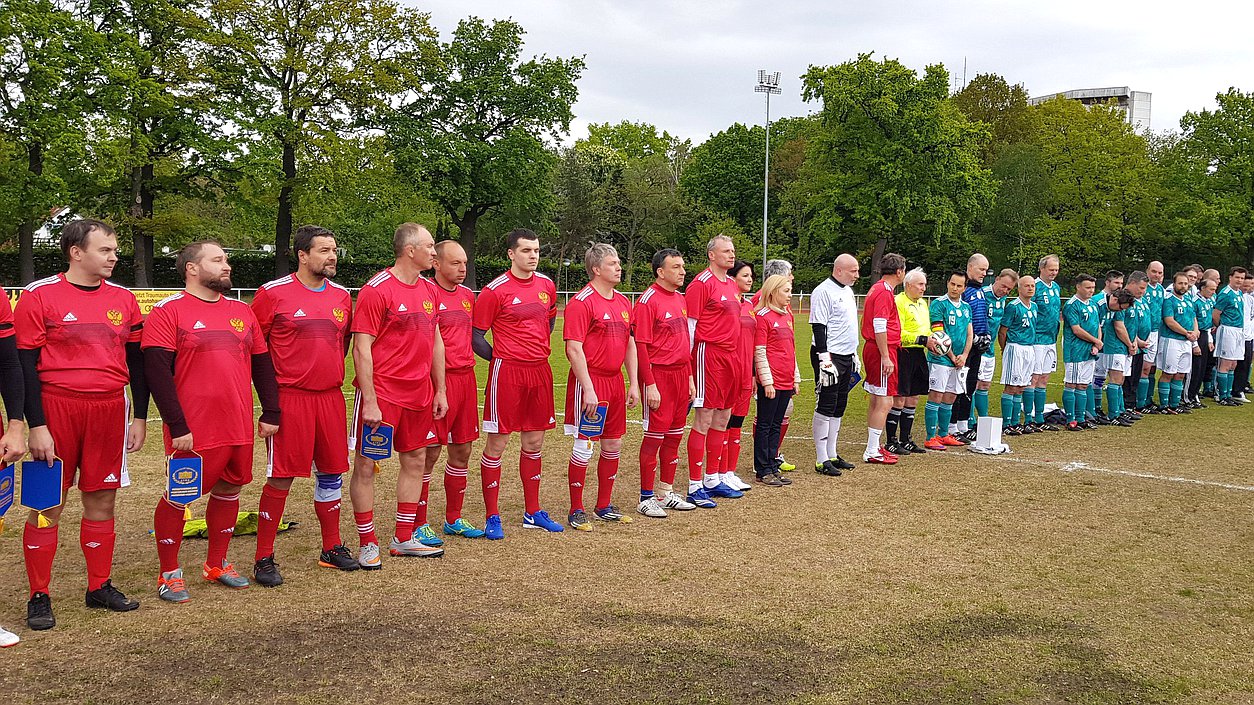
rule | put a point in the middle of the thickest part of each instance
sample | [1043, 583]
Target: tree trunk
[283, 227]
[466, 227]
[140, 212]
[26, 230]
[880, 245]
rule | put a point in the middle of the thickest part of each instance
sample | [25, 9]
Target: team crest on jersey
[338, 313]
[114, 316]
[466, 305]
[428, 307]
[544, 298]
[626, 317]
[237, 324]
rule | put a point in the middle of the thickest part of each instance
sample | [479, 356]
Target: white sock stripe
[225, 498]
[489, 462]
[530, 456]
[609, 456]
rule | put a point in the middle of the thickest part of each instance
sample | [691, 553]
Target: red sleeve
[575, 321]
[160, 330]
[259, 340]
[135, 319]
[552, 301]
[6, 320]
[877, 308]
[28, 321]
[485, 309]
[760, 329]
[370, 309]
[263, 310]
[642, 322]
[694, 298]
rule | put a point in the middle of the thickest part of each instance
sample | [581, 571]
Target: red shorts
[411, 428]
[89, 436]
[609, 388]
[461, 423]
[313, 434]
[743, 397]
[233, 464]
[672, 386]
[876, 382]
[716, 371]
[518, 397]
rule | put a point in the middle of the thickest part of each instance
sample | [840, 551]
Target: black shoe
[1074, 426]
[1148, 409]
[1133, 415]
[266, 572]
[1088, 424]
[1125, 416]
[1013, 431]
[1197, 404]
[39, 612]
[827, 468]
[1048, 427]
[969, 436]
[1125, 423]
[841, 464]
[110, 598]
[1103, 421]
[1029, 428]
[1183, 409]
[896, 449]
[913, 447]
[338, 557]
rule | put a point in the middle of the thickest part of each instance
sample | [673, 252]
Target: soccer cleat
[782, 480]
[784, 465]
[1088, 424]
[492, 529]
[426, 536]
[1047, 427]
[895, 448]
[8, 638]
[369, 557]
[1103, 421]
[679, 504]
[701, 498]
[611, 513]
[722, 490]
[39, 612]
[879, 459]
[1122, 422]
[952, 442]
[650, 508]
[579, 521]
[266, 572]
[934, 443]
[887, 454]
[338, 557]
[841, 463]
[1166, 411]
[171, 586]
[461, 527]
[969, 436]
[913, 447]
[414, 548]
[826, 468]
[110, 598]
[1074, 426]
[225, 575]
[1182, 409]
[770, 480]
[1133, 415]
[734, 482]
[1012, 431]
[541, 520]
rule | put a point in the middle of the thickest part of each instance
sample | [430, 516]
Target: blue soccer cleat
[722, 489]
[426, 536]
[463, 528]
[701, 498]
[541, 520]
[492, 528]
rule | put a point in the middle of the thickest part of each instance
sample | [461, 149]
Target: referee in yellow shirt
[916, 326]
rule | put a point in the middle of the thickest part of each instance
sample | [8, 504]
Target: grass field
[1113, 566]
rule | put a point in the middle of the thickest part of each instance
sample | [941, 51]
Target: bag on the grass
[245, 524]
[1057, 417]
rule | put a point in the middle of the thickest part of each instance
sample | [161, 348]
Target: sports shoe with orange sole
[226, 575]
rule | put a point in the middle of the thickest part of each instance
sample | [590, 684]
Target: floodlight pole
[768, 83]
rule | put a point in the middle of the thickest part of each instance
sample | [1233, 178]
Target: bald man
[973, 295]
[834, 357]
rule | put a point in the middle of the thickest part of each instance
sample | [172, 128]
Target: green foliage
[724, 174]
[989, 99]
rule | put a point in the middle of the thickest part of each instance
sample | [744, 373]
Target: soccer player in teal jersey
[1228, 317]
[1114, 282]
[1016, 336]
[1081, 343]
[1048, 300]
[1139, 330]
[1154, 295]
[1116, 357]
[945, 382]
[1203, 306]
[1178, 336]
[996, 294]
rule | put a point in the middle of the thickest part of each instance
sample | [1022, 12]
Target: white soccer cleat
[8, 638]
[651, 508]
[734, 481]
[679, 504]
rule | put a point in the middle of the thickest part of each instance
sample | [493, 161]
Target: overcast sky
[690, 67]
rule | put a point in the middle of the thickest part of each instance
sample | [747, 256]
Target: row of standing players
[76, 340]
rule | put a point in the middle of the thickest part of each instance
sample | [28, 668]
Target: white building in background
[1135, 104]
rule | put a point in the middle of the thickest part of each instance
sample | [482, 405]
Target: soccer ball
[943, 344]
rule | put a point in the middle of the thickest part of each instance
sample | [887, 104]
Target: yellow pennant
[187, 512]
[42, 521]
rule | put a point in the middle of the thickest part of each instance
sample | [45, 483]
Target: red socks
[421, 517]
[648, 460]
[269, 514]
[365, 527]
[167, 524]
[697, 444]
[607, 470]
[714, 450]
[97, 539]
[220, 518]
[40, 547]
[328, 514]
[454, 492]
[670, 456]
[490, 475]
[731, 450]
[576, 477]
[529, 471]
[405, 517]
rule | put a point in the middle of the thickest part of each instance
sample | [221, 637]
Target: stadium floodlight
[768, 83]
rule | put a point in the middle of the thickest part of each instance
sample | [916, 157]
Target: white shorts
[1151, 351]
[1045, 361]
[942, 378]
[988, 363]
[1112, 362]
[1079, 372]
[1175, 356]
[1230, 343]
[1016, 365]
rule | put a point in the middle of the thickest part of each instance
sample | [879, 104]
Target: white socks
[821, 427]
[873, 441]
[833, 433]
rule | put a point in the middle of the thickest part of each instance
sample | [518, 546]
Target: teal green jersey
[1202, 308]
[1111, 344]
[1048, 300]
[996, 306]
[1231, 307]
[1083, 314]
[1154, 295]
[1142, 316]
[955, 320]
[1179, 309]
[1019, 320]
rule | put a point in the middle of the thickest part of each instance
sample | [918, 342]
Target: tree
[316, 67]
[989, 99]
[476, 139]
[724, 174]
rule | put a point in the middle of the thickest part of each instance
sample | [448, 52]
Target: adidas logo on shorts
[69, 318]
[430, 434]
[111, 478]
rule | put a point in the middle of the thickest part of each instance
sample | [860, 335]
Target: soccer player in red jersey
[597, 328]
[659, 324]
[520, 308]
[305, 318]
[881, 329]
[399, 361]
[201, 351]
[742, 273]
[13, 441]
[78, 340]
[714, 322]
[455, 305]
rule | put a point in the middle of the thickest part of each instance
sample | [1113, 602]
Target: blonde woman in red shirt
[775, 369]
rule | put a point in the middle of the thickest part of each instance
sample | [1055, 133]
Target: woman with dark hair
[741, 273]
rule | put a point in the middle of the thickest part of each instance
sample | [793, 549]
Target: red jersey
[880, 304]
[519, 313]
[602, 325]
[774, 330]
[6, 321]
[453, 312]
[715, 306]
[213, 343]
[744, 339]
[82, 334]
[401, 317]
[660, 321]
[306, 331]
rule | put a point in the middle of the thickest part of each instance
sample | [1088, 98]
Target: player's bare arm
[439, 406]
[579, 365]
[363, 364]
